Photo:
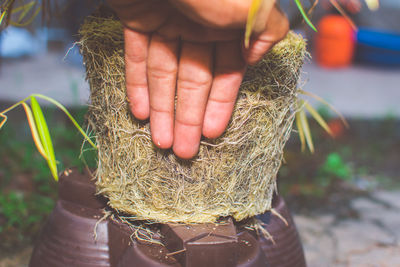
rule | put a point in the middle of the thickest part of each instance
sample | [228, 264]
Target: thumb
[275, 29]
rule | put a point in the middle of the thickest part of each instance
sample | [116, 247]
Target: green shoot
[44, 136]
[63, 109]
[301, 132]
[35, 134]
[303, 13]
[39, 128]
[251, 19]
[23, 10]
[3, 14]
[320, 99]
[302, 122]
[318, 118]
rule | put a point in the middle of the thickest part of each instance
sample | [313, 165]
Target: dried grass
[234, 175]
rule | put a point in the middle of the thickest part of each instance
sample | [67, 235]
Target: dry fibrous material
[234, 175]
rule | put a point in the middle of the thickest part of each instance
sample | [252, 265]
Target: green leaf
[303, 13]
[318, 118]
[44, 136]
[323, 101]
[29, 21]
[251, 19]
[2, 16]
[301, 132]
[306, 128]
[24, 10]
[61, 107]
[35, 134]
[3, 121]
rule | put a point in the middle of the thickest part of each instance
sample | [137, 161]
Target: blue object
[379, 39]
[378, 47]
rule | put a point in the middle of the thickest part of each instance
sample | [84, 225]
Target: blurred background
[345, 197]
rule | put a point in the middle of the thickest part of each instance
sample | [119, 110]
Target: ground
[372, 239]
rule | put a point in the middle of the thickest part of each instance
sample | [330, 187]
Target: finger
[276, 29]
[228, 74]
[161, 72]
[135, 72]
[194, 83]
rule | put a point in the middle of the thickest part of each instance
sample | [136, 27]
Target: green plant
[22, 212]
[25, 12]
[302, 121]
[333, 168]
[13, 208]
[39, 128]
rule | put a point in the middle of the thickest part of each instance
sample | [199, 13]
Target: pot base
[75, 235]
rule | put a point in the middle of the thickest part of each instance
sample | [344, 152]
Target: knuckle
[194, 84]
[161, 72]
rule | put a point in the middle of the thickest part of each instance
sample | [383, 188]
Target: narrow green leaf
[44, 136]
[301, 132]
[2, 113]
[318, 118]
[251, 19]
[20, 8]
[35, 134]
[323, 101]
[2, 16]
[3, 121]
[306, 129]
[303, 13]
[29, 21]
[61, 107]
[26, 8]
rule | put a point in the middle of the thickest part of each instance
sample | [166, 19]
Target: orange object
[334, 43]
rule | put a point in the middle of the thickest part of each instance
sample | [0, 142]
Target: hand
[193, 50]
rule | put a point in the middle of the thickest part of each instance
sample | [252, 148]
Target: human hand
[192, 50]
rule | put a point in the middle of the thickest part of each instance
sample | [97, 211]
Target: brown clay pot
[68, 238]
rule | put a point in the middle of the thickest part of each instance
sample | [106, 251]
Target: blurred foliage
[360, 159]
[27, 192]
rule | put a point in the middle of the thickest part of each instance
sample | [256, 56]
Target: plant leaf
[25, 10]
[3, 121]
[61, 107]
[323, 101]
[303, 13]
[2, 16]
[301, 132]
[342, 12]
[35, 134]
[44, 136]
[372, 4]
[29, 21]
[306, 128]
[251, 19]
[318, 118]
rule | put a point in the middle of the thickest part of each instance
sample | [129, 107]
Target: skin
[191, 50]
